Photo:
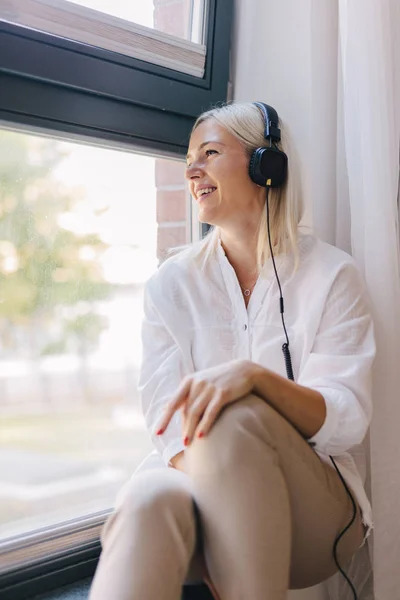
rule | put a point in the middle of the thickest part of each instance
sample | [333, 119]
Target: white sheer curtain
[368, 178]
[332, 67]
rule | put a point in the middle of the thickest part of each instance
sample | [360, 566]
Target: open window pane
[162, 32]
[181, 18]
[81, 229]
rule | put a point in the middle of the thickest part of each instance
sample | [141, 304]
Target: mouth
[205, 193]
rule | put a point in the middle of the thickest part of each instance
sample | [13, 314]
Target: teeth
[205, 191]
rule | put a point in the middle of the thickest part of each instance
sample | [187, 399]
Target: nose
[193, 171]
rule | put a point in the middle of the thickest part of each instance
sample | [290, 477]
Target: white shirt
[196, 318]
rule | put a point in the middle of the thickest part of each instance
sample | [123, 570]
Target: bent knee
[237, 426]
[151, 501]
[248, 415]
[155, 491]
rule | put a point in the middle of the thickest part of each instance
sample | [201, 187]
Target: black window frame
[56, 85]
[63, 85]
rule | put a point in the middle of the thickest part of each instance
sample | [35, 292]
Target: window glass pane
[181, 18]
[81, 229]
[175, 41]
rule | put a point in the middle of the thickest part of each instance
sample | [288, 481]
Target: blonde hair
[245, 121]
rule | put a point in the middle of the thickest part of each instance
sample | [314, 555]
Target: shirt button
[245, 327]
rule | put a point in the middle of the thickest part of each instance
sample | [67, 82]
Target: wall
[172, 207]
[284, 53]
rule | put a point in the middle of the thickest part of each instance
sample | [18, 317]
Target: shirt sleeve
[339, 366]
[162, 370]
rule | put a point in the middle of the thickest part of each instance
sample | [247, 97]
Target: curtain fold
[352, 103]
[369, 131]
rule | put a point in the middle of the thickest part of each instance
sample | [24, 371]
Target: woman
[250, 487]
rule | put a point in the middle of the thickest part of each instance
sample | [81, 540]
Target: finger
[173, 406]
[194, 414]
[195, 391]
[210, 415]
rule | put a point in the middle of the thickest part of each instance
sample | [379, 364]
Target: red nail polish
[186, 441]
[200, 434]
[160, 431]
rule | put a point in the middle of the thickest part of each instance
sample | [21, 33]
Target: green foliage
[41, 268]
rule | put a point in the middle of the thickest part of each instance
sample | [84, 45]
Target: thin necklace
[247, 291]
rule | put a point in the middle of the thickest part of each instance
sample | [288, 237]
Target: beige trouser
[267, 508]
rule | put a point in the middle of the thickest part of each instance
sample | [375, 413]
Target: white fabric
[196, 318]
[303, 83]
[369, 97]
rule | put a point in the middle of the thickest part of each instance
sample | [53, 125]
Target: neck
[241, 251]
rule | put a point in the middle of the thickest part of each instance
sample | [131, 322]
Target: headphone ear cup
[268, 167]
[252, 163]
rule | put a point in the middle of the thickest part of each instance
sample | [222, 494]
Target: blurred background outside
[81, 229]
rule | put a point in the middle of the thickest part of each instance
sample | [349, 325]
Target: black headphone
[268, 165]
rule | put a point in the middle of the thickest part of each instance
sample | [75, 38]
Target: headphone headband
[271, 121]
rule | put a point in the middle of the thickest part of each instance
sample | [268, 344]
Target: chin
[203, 217]
[209, 216]
[208, 222]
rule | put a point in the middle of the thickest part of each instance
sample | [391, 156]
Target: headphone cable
[285, 346]
[289, 373]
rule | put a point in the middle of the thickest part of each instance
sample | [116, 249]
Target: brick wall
[171, 16]
[172, 206]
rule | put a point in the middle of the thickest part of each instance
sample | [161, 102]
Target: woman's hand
[203, 395]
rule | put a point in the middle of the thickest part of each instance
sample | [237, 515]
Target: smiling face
[218, 176]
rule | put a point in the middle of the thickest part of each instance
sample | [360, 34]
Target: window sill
[50, 558]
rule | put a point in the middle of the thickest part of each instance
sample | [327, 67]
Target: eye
[207, 153]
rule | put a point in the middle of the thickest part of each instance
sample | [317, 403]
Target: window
[82, 121]
[183, 20]
[140, 29]
[51, 82]
[81, 229]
